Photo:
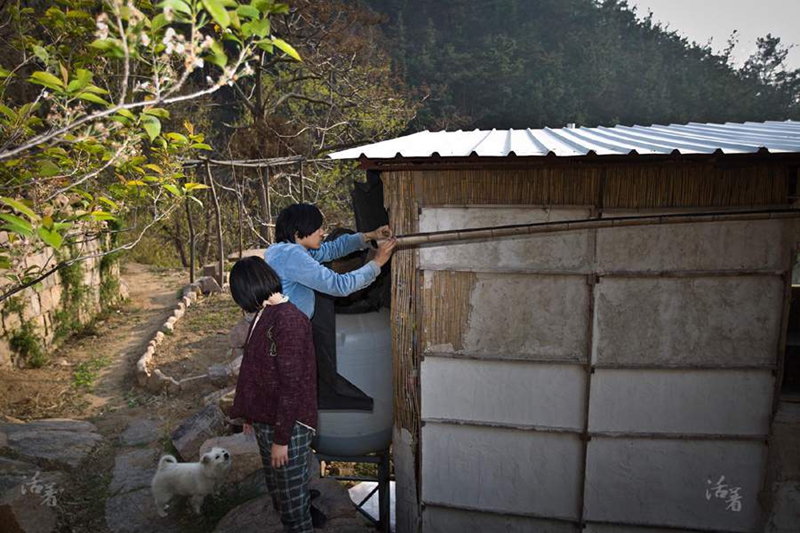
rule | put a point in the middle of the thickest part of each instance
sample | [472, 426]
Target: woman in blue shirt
[299, 252]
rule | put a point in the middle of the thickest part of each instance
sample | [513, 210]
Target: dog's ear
[206, 459]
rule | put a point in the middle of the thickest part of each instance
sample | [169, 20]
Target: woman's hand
[385, 250]
[384, 232]
[280, 455]
[247, 429]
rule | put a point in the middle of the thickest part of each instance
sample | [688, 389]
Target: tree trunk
[192, 267]
[218, 215]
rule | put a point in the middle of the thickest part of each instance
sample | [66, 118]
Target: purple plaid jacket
[278, 378]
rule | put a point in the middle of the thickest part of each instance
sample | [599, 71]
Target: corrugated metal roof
[692, 138]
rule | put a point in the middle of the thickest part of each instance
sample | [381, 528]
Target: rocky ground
[79, 441]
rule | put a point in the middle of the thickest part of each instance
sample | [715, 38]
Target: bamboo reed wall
[403, 218]
[685, 184]
[447, 307]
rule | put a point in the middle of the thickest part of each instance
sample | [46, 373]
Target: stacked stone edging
[157, 381]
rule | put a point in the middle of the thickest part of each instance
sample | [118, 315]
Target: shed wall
[547, 364]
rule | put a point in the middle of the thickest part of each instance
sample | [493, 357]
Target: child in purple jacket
[276, 391]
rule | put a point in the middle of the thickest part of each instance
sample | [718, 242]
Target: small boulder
[135, 512]
[237, 336]
[244, 452]
[209, 285]
[12, 472]
[333, 499]
[140, 431]
[215, 396]
[223, 375]
[207, 423]
[220, 375]
[226, 402]
[133, 470]
[60, 441]
[254, 516]
[30, 507]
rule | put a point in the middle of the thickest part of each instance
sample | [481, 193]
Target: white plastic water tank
[364, 357]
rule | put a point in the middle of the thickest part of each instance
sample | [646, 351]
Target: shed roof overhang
[731, 143]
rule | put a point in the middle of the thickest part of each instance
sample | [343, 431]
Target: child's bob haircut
[253, 281]
[302, 219]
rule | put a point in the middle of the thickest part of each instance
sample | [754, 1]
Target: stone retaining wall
[46, 314]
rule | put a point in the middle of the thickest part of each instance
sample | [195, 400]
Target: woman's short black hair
[302, 219]
[253, 281]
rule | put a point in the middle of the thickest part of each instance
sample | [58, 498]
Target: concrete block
[674, 482]
[533, 394]
[543, 317]
[502, 470]
[727, 402]
[444, 520]
[714, 322]
[617, 528]
[784, 456]
[707, 246]
[564, 251]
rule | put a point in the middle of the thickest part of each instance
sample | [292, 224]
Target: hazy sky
[701, 20]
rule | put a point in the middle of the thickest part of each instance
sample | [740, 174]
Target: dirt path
[105, 358]
[153, 297]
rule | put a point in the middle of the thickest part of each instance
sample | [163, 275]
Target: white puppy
[190, 479]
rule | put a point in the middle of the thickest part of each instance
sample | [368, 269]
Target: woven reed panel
[398, 194]
[539, 186]
[694, 185]
[684, 184]
[446, 300]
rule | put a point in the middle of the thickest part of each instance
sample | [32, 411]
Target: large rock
[225, 374]
[216, 396]
[140, 431]
[246, 457]
[12, 472]
[354, 524]
[226, 401]
[255, 516]
[135, 512]
[333, 499]
[133, 470]
[198, 428]
[237, 336]
[30, 507]
[209, 285]
[61, 442]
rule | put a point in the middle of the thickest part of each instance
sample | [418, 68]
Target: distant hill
[535, 63]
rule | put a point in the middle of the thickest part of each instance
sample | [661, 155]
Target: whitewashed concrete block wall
[680, 325]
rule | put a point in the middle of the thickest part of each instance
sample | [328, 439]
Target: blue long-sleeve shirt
[302, 273]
